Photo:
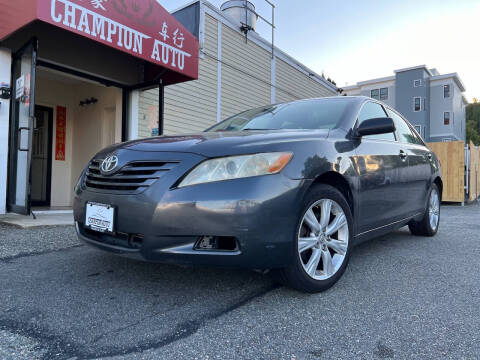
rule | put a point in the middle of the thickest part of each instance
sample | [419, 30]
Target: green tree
[473, 123]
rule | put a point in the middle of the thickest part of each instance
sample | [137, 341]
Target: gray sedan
[289, 187]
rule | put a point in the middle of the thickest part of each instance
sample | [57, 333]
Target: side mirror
[375, 126]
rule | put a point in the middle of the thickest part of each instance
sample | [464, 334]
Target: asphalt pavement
[401, 297]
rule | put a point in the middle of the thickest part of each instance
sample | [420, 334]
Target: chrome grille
[131, 178]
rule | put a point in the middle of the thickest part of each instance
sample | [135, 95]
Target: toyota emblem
[109, 164]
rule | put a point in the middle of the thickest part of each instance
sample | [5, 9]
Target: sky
[351, 41]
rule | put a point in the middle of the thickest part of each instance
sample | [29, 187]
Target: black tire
[424, 227]
[294, 275]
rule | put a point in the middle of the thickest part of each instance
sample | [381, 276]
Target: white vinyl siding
[245, 82]
[189, 106]
[292, 84]
[192, 106]
[246, 71]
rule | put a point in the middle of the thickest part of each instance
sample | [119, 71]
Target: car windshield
[306, 114]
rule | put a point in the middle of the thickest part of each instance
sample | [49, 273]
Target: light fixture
[90, 101]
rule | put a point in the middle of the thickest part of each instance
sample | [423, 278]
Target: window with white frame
[383, 93]
[379, 94]
[446, 118]
[446, 91]
[417, 103]
[417, 83]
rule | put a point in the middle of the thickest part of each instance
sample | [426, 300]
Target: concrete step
[42, 218]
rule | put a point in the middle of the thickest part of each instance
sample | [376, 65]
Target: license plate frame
[100, 217]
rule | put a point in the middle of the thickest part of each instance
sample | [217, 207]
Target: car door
[419, 169]
[382, 167]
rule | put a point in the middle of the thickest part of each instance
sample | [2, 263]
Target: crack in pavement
[59, 347]
[9, 259]
[185, 329]
[53, 345]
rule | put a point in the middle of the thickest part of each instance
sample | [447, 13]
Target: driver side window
[371, 110]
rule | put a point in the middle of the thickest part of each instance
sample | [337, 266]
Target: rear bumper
[261, 213]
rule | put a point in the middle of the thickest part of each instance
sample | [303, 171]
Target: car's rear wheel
[323, 241]
[428, 226]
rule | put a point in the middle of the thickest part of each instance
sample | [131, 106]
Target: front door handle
[403, 155]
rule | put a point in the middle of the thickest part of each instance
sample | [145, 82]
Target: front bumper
[260, 212]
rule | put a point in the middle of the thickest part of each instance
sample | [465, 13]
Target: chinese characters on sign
[178, 39]
[60, 133]
[177, 54]
[98, 4]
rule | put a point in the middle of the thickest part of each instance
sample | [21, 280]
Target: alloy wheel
[323, 239]
[434, 209]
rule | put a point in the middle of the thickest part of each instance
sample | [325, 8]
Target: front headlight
[235, 167]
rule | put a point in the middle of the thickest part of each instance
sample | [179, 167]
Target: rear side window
[371, 110]
[405, 134]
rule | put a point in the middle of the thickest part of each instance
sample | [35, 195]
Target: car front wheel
[323, 241]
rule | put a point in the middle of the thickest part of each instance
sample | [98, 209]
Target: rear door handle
[403, 155]
[429, 156]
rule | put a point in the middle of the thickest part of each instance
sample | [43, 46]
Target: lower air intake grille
[133, 177]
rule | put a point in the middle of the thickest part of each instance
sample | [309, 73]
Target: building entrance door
[42, 156]
[21, 128]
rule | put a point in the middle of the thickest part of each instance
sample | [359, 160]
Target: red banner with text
[143, 29]
[61, 123]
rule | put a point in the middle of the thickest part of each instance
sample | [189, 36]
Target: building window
[383, 93]
[446, 118]
[417, 83]
[375, 94]
[417, 103]
[446, 91]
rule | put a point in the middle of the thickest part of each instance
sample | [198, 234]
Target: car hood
[212, 144]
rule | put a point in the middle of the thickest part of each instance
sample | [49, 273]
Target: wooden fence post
[474, 178]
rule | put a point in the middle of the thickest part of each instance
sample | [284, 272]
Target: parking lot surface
[401, 297]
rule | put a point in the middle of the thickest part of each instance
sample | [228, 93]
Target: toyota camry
[289, 187]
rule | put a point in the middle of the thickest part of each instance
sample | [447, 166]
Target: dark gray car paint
[262, 212]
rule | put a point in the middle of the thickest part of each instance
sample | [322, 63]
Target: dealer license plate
[99, 217]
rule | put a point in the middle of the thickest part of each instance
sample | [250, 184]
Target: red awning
[140, 28]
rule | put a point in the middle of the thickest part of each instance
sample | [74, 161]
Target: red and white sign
[61, 123]
[141, 28]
